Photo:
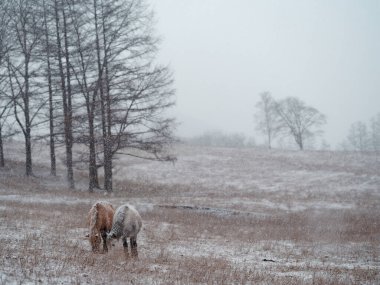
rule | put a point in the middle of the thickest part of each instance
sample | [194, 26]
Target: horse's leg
[125, 245]
[104, 237]
[134, 247]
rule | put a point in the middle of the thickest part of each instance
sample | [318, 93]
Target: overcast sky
[224, 53]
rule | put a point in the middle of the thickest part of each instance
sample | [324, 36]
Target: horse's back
[130, 219]
[105, 215]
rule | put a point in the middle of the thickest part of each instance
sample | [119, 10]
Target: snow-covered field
[216, 216]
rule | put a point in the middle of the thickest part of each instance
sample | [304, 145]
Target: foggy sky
[225, 53]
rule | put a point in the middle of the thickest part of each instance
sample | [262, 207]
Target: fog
[225, 53]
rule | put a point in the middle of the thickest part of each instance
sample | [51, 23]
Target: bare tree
[6, 124]
[125, 94]
[87, 80]
[5, 103]
[4, 36]
[267, 119]
[5, 110]
[69, 95]
[100, 57]
[358, 136]
[133, 93]
[139, 116]
[299, 121]
[23, 69]
[46, 51]
[375, 133]
[62, 54]
[102, 65]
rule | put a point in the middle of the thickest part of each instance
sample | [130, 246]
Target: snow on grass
[218, 215]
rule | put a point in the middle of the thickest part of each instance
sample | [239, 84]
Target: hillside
[217, 215]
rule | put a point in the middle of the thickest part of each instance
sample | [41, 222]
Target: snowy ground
[216, 216]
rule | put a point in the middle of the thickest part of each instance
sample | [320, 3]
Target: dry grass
[45, 243]
[191, 235]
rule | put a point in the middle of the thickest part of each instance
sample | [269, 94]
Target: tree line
[221, 139]
[364, 136]
[84, 72]
[292, 117]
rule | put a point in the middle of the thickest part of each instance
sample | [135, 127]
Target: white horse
[126, 223]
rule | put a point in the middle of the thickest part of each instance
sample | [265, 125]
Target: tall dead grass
[44, 242]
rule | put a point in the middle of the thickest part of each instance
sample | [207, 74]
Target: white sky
[224, 53]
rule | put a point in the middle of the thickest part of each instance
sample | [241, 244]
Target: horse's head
[95, 240]
[110, 236]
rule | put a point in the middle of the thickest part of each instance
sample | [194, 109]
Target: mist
[225, 53]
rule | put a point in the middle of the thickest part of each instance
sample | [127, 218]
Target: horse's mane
[93, 214]
[92, 217]
[117, 227]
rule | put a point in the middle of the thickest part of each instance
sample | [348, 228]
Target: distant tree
[267, 119]
[358, 137]
[325, 145]
[220, 139]
[299, 120]
[375, 133]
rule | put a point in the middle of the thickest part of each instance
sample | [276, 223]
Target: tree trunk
[28, 149]
[26, 126]
[90, 101]
[105, 140]
[269, 141]
[69, 127]
[27, 133]
[299, 141]
[93, 170]
[2, 162]
[53, 170]
[70, 176]
[108, 151]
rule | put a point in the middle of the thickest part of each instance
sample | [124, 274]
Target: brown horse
[100, 223]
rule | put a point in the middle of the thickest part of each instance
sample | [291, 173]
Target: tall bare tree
[5, 110]
[5, 103]
[87, 84]
[62, 57]
[102, 64]
[267, 119]
[46, 51]
[100, 56]
[135, 92]
[299, 120]
[69, 95]
[23, 69]
[125, 94]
